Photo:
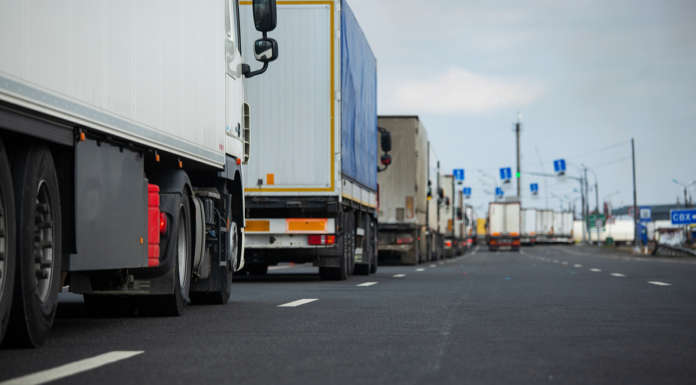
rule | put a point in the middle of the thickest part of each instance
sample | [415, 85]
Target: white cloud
[459, 91]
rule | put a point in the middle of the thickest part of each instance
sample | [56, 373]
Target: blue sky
[585, 75]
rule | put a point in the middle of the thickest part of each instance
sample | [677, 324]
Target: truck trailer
[123, 128]
[544, 226]
[563, 227]
[403, 192]
[528, 227]
[311, 187]
[451, 217]
[504, 226]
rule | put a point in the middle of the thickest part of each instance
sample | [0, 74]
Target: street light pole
[519, 175]
[636, 249]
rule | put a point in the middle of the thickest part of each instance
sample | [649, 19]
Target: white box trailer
[403, 192]
[470, 220]
[451, 216]
[563, 227]
[544, 232]
[504, 225]
[528, 227]
[435, 238]
[312, 183]
[124, 125]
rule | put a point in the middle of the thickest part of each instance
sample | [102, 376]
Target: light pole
[685, 187]
[597, 199]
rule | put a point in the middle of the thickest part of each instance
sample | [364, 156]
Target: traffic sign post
[683, 217]
[559, 166]
[534, 187]
[645, 214]
[467, 192]
[458, 174]
[499, 192]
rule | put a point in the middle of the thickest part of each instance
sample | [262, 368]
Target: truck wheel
[365, 267]
[7, 241]
[37, 274]
[344, 260]
[174, 304]
[350, 258]
[109, 306]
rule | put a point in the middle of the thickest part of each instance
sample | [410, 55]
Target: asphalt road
[547, 314]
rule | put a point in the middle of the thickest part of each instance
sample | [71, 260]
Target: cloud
[461, 92]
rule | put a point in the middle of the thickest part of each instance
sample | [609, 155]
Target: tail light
[516, 242]
[163, 222]
[469, 240]
[154, 225]
[494, 242]
[321, 239]
[404, 240]
[448, 243]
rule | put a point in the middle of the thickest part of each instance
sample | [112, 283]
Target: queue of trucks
[509, 226]
[149, 162]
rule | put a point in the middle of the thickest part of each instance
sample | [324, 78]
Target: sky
[585, 76]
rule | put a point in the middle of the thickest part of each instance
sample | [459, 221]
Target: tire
[222, 296]
[365, 267]
[374, 242]
[345, 260]
[7, 241]
[38, 221]
[174, 304]
[109, 306]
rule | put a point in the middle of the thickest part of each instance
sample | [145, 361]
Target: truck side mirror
[385, 139]
[266, 50]
[265, 15]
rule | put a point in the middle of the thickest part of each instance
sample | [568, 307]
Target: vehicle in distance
[504, 226]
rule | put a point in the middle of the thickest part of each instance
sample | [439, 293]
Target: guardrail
[673, 251]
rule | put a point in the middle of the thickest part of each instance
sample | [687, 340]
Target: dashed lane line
[433, 265]
[577, 265]
[650, 282]
[399, 275]
[421, 269]
[72, 368]
[367, 284]
[618, 275]
[298, 302]
[596, 270]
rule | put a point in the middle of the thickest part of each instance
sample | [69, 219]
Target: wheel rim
[3, 242]
[43, 241]
[182, 249]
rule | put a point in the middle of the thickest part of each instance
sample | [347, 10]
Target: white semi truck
[544, 226]
[403, 192]
[563, 227]
[311, 186]
[123, 128]
[528, 227]
[504, 226]
[451, 217]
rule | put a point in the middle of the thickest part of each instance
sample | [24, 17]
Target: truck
[544, 226]
[481, 231]
[311, 188]
[403, 192]
[470, 228]
[504, 226]
[451, 217]
[436, 195]
[528, 227]
[121, 157]
[563, 227]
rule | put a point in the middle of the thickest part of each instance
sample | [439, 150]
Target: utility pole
[438, 197]
[452, 206]
[519, 175]
[636, 249]
[586, 207]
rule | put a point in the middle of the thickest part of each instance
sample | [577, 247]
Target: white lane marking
[596, 270]
[433, 265]
[555, 261]
[279, 267]
[576, 265]
[565, 263]
[72, 368]
[618, 275]
[421, 269]
[652, 282]
[399, 275]
[298, 302]
[367, 284]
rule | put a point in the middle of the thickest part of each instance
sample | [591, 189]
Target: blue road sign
[499, 191]
[459, 174]
[559, 165]
[645, 214]
[683, 217]
[467, 191]
[506, 173]
[534, 187]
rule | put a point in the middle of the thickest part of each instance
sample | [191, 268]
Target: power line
[599, 150]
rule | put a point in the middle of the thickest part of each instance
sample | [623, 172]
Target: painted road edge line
[298, 302]
[651, 282]
[399, 275]
[367, 284]
[67, 370]
[618, 275]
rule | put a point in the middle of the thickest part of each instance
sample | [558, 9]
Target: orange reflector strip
[257, 226]
[306, 225]
[82, 136]
[514, 234]
[270, 178]
[239, 161]
[495, 234]
[157, 157]
[493, 242]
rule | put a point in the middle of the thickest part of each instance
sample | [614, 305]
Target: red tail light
[516, 242]
[163, 222]
[153, 217]
[469, 240]
[321, 239]
[404, 240]
[448, 243]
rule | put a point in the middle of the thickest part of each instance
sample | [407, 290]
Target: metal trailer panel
[564, 222]
[529, 222]
[544, 223]
[403, 192]
[294, 137]
[152, 73]
[512, 218]
[496, 219]
[446, 183]
[558, 229]
[433, 208]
